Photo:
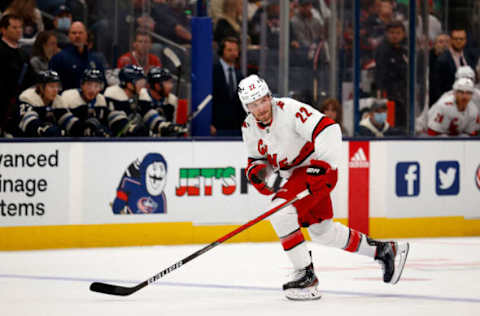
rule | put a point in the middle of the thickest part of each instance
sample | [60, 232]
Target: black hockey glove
[171, 129]
[47, 129]
[93, 127]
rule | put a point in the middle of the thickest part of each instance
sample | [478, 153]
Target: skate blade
[400, 259]
[307, 294]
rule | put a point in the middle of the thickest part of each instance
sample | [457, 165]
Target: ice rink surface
[441, 277]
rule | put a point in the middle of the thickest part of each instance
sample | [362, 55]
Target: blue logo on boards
[407, 179]
[447, 177]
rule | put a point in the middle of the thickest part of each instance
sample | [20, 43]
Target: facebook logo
[447, 176]
[408, 178]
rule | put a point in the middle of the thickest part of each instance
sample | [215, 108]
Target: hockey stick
[124, 290]
[177, 63]
[200, 107]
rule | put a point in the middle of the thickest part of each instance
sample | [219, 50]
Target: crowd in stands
[54, 84]
[57, 76]
[451, 107]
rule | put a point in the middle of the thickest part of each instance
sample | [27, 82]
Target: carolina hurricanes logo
[252, 87]
[453, 128]
[262, 149]
[477, 177]
[147, 205]
[271, 158]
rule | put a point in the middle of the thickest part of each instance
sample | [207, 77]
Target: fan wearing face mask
[375, 123]
[62, 23]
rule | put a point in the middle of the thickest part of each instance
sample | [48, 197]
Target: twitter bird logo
[447, 177]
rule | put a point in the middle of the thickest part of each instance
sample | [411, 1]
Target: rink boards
[57, 195]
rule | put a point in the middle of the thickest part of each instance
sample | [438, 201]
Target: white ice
[441, 277]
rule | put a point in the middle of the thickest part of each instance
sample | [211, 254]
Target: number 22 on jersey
[303, 114]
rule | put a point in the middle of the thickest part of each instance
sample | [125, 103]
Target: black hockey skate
[391, 256]
[304, 285]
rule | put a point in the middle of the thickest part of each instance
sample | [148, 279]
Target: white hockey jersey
[73, 100]
[297, 134]
[445, 118]
[166, 107]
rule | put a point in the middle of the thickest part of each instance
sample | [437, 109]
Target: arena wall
[59, 195]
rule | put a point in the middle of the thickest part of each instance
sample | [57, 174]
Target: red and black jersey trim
[309, 146]
[264, 126]
[292, 240]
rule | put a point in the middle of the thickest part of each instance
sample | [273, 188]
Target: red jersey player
[454, 114]
[304, 147]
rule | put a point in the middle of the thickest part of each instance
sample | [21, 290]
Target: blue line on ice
[248, 288]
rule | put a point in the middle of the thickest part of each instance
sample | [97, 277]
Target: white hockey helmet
[251, 89]
[463, 84]
[465, 72]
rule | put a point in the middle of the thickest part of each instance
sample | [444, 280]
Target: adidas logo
[359, 159]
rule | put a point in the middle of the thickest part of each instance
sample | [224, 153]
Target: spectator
[44, 48]
[333, 109]
[229, 22]
[159, 93]
[376, 24]
[375, 124]
[62, 24]
[307, 29]
[32, 19]
[227, 111]
[140, 55]
[16, 72]
[434, 26]
[441, 44]
[72, 61]
[273, 25]
[454, 114]
[215, 9]
[88, 105]
[391, 59]
[455, 56]
[272, 9]
[165, 22]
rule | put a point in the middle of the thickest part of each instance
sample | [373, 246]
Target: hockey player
[130, 118]
[421, 123]
[158, 92]
[454, 114]
[304, 147]
[467, 72]
[157, 105]
[88, 104]
[124, 119]
[41, 110]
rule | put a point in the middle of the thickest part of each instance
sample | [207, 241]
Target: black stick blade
[111, 289]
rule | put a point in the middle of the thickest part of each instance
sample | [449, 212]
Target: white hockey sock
[365, 248]
[285, 224]
[299, 256]
[333, 234]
